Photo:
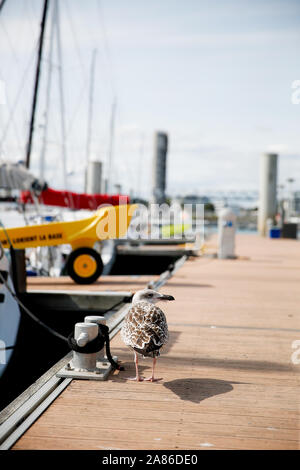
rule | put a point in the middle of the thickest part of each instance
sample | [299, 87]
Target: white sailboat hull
[9, 319]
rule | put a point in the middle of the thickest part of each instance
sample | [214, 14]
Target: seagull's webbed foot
[152, 379]
[137, 379]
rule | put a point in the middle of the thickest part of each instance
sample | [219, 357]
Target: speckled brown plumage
[145, 329]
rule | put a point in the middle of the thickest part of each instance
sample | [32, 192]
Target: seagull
[145, 328]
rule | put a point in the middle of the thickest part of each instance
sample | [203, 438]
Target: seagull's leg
[137, 377]
[152, 379]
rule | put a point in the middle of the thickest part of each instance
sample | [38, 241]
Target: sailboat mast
[91, 100]
[140, 164]
[2, 4]
[61, 93]
[50, 68]
[36, 84]
[111, 146]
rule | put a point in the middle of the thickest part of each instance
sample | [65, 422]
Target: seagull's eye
[150, 295]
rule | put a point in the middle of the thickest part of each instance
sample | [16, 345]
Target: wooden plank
[233, 409]
[132, 423]
[110, 283]
[120, 439]
[228, 380]
[67, 412]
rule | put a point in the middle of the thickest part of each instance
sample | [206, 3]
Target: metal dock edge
[17, 417]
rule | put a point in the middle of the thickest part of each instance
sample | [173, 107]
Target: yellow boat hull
[108, 222]
[84, 264]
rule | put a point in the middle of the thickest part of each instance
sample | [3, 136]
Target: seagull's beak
[166, 297]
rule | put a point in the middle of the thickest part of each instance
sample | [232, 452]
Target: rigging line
[22, 26]
[95, 40]
[107, 47]
[76, 109]
[29, 14]
[19, 140]
[9, 40]
[29, 313]
[48, 101]
[55, 138]
[33, 317]
[108, 53]
[83, 88]
[88, 28]
[121, 145]
[77, 47]
[22, 83]
[61, 93]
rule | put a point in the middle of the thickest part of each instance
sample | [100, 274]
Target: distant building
[296, 202]
[159, 167]
[195, 199]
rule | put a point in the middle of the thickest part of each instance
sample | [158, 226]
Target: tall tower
[160, 167]
[267, 192]
[93, 177]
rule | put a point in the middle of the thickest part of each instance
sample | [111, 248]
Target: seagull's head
[151, 296]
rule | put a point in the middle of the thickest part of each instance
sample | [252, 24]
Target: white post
[226, 234]
[94, 177]
[98, 320]
[83, 334]
[268, 188]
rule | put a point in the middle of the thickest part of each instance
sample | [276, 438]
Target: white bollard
[98, 320]
[226, 234]
[86, 366]
[83, 334]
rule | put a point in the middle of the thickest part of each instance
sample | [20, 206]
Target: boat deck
[103, 284]
[228, 378]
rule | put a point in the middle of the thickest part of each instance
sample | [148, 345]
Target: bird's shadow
[197, 390]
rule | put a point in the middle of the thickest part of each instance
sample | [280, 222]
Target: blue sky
[215, 75]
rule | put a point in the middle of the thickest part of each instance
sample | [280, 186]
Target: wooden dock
[228, 378]
[103, 284]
